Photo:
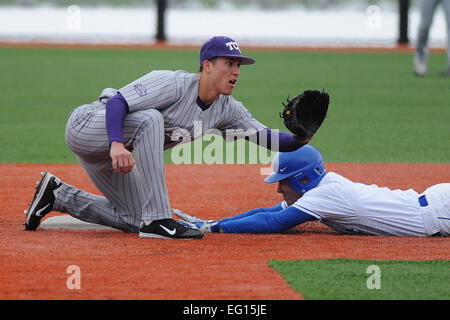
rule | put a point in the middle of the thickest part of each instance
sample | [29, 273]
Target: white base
[69, 222]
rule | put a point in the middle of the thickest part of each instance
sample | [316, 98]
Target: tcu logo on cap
[232, 46]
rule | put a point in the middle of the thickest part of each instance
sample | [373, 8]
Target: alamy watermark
[74, 280]
[374, 280]
[73, 19]
[216, 147]
[373, 21]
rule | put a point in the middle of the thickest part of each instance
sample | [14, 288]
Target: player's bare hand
[122, 159]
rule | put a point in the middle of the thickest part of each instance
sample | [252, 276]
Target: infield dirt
[116, 265]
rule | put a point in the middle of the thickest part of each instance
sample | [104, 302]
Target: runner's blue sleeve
[266, 221]
[278, 207]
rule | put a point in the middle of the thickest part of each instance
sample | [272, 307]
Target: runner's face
[289, 194]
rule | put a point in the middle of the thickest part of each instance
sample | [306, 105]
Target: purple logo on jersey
[141, 91]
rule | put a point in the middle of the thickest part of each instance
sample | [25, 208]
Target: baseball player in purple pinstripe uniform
[141, 117]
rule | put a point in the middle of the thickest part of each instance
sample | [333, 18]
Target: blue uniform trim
[278, 207]
[265, 220]
[423, 201]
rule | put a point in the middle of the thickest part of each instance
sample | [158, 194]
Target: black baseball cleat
[168, 229]
[43, 200]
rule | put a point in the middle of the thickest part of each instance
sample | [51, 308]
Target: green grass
[379, 111]
[346, 279]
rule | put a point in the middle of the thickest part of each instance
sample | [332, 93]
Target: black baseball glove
[304, 114]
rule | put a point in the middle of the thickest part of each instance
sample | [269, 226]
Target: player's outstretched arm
[278, 207]
[266, 222]
[276, 140]
[189, 218]
[212, 225]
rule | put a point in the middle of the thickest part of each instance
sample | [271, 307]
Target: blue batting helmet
[296, 165]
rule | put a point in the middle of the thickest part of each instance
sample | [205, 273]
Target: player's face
[289, 194]
[224, 74]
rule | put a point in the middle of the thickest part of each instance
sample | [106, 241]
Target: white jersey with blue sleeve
[357, 208]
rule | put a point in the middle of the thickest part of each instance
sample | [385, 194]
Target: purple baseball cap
[220, 46]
